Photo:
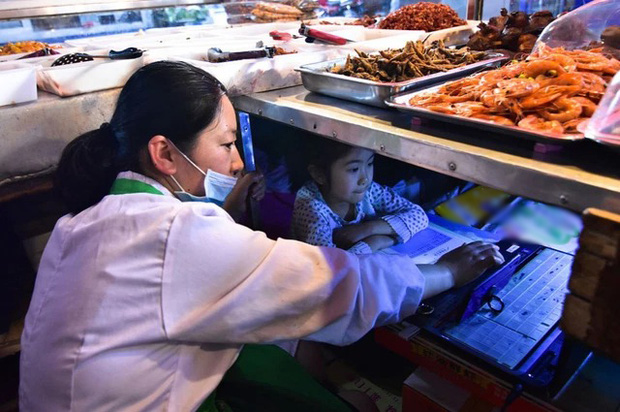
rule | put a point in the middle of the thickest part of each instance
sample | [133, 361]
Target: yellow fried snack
[28, 46]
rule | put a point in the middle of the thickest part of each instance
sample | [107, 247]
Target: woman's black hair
[173, 99]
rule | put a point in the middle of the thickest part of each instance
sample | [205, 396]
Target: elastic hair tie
[105, 127]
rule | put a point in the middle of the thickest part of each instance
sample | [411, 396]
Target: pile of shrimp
[551, 92]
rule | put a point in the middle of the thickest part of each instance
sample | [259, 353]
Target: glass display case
[57, 20]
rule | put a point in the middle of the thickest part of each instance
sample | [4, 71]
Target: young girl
[342, 207]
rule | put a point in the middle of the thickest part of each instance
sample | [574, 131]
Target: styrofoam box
[19, 83]
[336, 21]
[84, 41]
[188, 29]
[360, 34]
[384, 43]
[255, 75]
[146, 42]
[86, 77]
[257, 30]
[454, 36]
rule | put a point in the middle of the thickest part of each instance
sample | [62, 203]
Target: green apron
[264, 377]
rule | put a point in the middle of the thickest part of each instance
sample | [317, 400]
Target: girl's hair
[173, 99]
[324, 152]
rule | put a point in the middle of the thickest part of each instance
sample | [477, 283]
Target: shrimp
[593, 82]
[546, 95]
[567, 63]
[562, 110]
[517, 87]
[567, 79]
[446, 108]
[491, 78]
[514, 107]
[588, 107]
[468, 109]
[456, 99]
[542, 67]
[425, 99]
[589, 61]
[572, 126]
[494, 118]
[458, 85]
[491, 98]
[613, 67]
[535, 123]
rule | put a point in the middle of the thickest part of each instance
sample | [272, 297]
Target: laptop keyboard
[533, 301]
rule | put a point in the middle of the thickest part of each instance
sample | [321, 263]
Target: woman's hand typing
[469, 261]
[459, 267]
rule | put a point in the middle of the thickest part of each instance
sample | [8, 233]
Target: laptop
[509, 316]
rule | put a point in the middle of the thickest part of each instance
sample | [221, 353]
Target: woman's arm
[225, 283]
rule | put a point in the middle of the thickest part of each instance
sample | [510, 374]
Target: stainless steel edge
[513, 131]
[518, 173]
[13, 9]
[316, 78]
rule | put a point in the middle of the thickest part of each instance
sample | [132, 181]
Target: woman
[143, 301]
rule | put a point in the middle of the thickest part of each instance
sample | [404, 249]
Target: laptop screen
[532, 300]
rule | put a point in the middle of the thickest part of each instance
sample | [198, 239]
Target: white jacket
[142, 302]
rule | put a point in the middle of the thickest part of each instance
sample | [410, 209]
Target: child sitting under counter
[342, 207]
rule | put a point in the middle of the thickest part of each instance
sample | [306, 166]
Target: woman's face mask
[216, 185]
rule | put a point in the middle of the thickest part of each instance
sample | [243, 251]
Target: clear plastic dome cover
[594, 27]
[604, 126]
[596, 23]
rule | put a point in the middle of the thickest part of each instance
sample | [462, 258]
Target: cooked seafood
[366, 21]
[412, 61]
[551, 92]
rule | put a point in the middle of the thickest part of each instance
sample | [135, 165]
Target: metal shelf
[583, 175]
[578, 176]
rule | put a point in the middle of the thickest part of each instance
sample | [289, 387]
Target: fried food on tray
[366, 21]
[280, 51]
[412, 61]
[551, 93]
[28, 46]
[516, 31]
[422, 16]
[276, 12]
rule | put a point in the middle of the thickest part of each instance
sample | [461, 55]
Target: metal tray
[401, 102]
[317, 78]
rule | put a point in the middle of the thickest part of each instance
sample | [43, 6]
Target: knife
[314, 34]
[216, 55]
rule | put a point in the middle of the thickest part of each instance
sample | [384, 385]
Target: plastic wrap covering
[604, 126]
[592, 25]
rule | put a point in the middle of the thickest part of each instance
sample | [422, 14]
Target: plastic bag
[604, 126]
[594, 24]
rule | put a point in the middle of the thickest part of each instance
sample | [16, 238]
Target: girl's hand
[236, 202]
[346, 236]
[378, 242]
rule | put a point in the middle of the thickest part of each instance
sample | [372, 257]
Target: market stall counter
[576, 175]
